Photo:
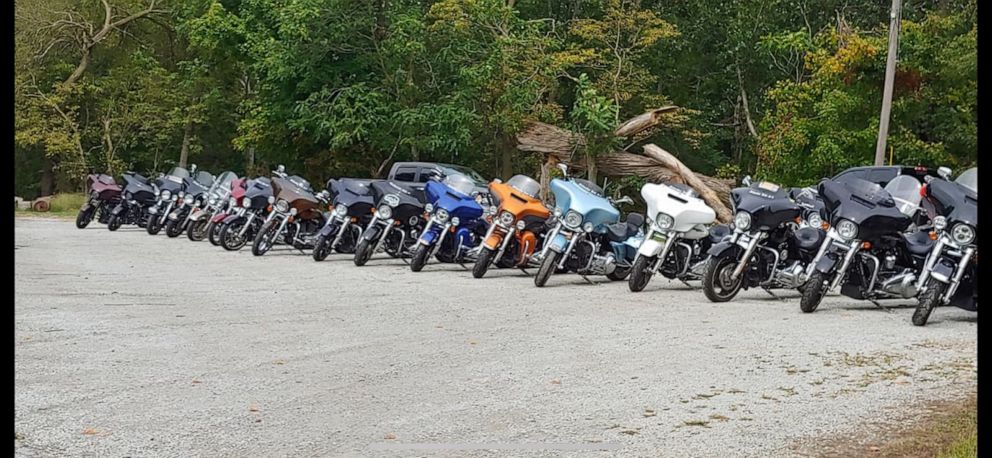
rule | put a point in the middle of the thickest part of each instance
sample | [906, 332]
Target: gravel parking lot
[132, 345]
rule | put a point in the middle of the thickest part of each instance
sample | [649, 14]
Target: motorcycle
[167, 188]
[867, 251]
[950, 272]
[238, 188]
[678, 237]
[104, 194]
[253, 209]
[138, 197]
[451, 208]
[518, 219]
[295, 215]
[396, 222]
[767, 248]
[192, 196]
[588, 237]
[351, 200]
[200, 217]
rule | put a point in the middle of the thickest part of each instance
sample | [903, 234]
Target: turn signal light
[269, 208]
[933, 235]
[290, 220]
[825, 225]
[866, 246]
[799, 220]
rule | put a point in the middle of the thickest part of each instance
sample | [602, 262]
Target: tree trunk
[250, 160]
[591, 168]
[184, 151]
[47, 176]
[84, 62]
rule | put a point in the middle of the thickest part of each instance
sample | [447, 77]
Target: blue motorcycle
[588, 237]
[454, 223]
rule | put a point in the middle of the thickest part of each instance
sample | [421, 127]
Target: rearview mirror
[624, 200]
[497, 180]
[746, 181]
[280, 168]
[944, 172]
[563, 168]
[192, 168]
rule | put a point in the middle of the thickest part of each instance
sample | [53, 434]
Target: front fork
[932, 258]
[748, 252]
[568, 251]
[344, 226]
[247, 224]
[385, 233]
[669, 243]
[506, 243]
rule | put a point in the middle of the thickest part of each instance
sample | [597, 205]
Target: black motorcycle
[397, 222]
[137, 198]
[867, 250]
[767, 248]
[352, 203]
[949, 274]
[192, 196]
[253, 208]
[167, 188]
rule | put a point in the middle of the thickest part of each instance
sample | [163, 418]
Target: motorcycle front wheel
[482, 262]
[84, 217]
[229, 238]
[321, 248]
[548, 265]
[717, 285]
[173, 228]
[813, 293]
[114, 223]
[212, 234]
[363, 252]
[265, 238]
[640, 273]
[929, 300]
[420, 258]
[154, 225]
[197, 230]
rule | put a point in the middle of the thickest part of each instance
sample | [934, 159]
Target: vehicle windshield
[300, 181]
[525, 184]
[222, 185]
[178, 172]
[905, 191]
[969, 179]
[459, 170]
[867, 190]
[460, 183]
[204, 178]
[683, 189]
[590, 186]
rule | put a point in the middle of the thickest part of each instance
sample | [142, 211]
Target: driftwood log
[655, 164]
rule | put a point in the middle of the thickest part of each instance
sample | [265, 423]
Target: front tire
[229, 238]
[482, 263]
[212, 234]
[154, 225]
[84, 217]
[929, 300]
[321, 248]
[265, 238]
[363, 252]
[548, 265]
[813, 293]
[420, 257]
[717, 285]
[197, 230]
[640, 274]
[173, 228]
[114, 223]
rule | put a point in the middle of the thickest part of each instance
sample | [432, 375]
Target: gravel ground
[132, 345]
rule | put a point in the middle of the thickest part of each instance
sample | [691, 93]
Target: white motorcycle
[679, 235]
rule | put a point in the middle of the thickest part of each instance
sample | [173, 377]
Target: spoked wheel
[482, 262]
[197, 230]
[717, 284]
[420, 258]
[548, 265]
[230, 238]
[265, 238]
[816, 288]
[114, 223]
[84, 217]
[154, 225]
[213, 234]
[321, 248]
[929, 300]
[640, 273]
[363, 252]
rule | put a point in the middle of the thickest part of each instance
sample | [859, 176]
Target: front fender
[372, 232]
[231, 218]
[494, 240]
[827, 263]
[196, 215]
[118, 209]
[719, 249]
[559, 242]
[650, 248]
[943, 269]
[330, 229]
[430, 235]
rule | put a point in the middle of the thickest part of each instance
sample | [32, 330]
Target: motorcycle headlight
[847, 229]
[665, 221]
[441, 214]
[587, 227]
[455, 221]
[428, 208]
[521, 225]
[962, 234]
[166, 195]
[814, 220]
[742, 220]
[939, 223]
[272, 199]
[232, 203]
[557, 212]
[282, 206]
[573, 219]
[341, 209]
[246, 201]
[413, 220]
[385, 211]
[188, 199]
[506, 218]
[182, 194]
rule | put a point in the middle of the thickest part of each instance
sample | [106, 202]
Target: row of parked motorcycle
[912, 238]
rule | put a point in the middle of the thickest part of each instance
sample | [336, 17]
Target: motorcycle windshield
[301, 182]
[969, 179]
[178, 172]
[526, 185]
[460, 183]
[905, 191]
[204, 178]
[222, 185]
[868, 192]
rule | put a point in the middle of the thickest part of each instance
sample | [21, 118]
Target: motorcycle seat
[719, 232]
[622, 231]
[918, 243]
[809, 238]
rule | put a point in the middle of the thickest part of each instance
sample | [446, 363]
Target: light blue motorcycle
[588, 237]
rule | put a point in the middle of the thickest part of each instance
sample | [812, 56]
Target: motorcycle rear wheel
[420, 258]
[929, 300]
[640, 274]
[482, 262]
[813, 292]
[717, 285]
[84, 217]
[265, 238]
[548, 265]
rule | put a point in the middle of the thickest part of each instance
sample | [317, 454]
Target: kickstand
[685, 282]
[588, 280]
[463, 265]
[770, 293]
[524, 270]
[873, 301]
[404, 260]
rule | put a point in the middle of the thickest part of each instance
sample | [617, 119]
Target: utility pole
[895, 17]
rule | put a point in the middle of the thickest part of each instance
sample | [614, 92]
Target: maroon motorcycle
[104, 194]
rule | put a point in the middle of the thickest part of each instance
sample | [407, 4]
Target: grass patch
[61, 206]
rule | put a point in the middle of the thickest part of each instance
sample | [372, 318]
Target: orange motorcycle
[518, 220]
